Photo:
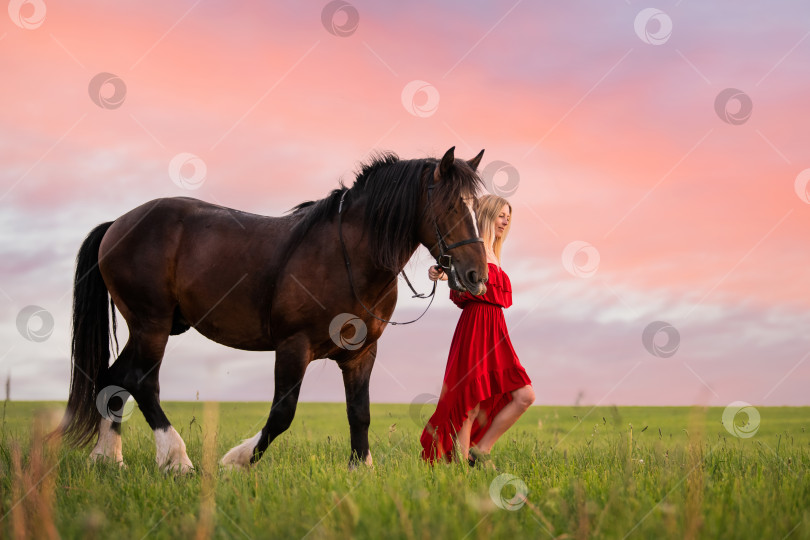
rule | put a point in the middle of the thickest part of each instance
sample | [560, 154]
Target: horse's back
[211, 263]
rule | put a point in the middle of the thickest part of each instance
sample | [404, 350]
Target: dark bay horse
[262, 284]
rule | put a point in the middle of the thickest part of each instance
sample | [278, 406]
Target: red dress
[482, 367]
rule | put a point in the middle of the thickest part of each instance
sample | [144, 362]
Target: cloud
[616, 141]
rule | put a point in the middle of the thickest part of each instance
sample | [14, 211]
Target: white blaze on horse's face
[470, 206]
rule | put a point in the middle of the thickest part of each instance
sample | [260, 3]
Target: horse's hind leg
[292, 358]
[110, 403]
[356, 376]
[136, 370]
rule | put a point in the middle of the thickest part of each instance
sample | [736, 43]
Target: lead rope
[351, 280]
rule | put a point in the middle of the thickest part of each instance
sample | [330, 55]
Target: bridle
[445, 260]
[443, 247]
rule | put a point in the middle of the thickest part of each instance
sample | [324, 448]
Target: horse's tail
[90, 347]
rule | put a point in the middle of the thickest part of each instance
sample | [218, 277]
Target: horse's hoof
[98, 457]
[178, 468]
[231, 466]
[171, 453]
[234, 459]
[239, 456]
[368, 462]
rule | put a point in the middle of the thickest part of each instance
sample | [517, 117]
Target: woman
[485, 388]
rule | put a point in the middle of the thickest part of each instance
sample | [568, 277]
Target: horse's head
[449, 229]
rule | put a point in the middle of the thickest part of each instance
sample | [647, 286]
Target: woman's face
[502, 221]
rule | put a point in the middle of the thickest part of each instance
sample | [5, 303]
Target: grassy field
[629, 472]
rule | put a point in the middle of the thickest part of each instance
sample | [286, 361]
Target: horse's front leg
[356, 375]
[292, 358]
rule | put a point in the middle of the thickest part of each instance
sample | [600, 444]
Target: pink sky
[697, 222]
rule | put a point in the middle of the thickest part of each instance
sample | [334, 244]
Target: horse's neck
[354, 217]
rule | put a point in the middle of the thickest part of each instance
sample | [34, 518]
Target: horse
[261, 283]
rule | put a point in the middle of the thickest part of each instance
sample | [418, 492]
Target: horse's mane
[392, 189]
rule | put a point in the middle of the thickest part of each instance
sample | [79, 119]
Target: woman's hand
[435, 272]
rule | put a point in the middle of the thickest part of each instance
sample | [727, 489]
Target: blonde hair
[489, 207]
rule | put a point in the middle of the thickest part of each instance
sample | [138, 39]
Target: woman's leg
[522, 398]
[463, 435]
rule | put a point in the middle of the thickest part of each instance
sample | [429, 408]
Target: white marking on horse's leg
[353, 465]
[239, 456]
[108, 446]
[171, 451]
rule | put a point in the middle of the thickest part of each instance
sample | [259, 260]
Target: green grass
[589, 473]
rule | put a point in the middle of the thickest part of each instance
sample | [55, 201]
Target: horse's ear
[474, 162]
[447, 162]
